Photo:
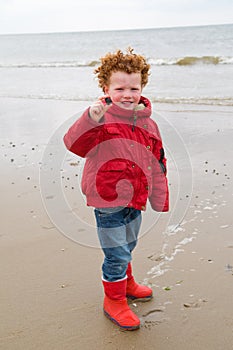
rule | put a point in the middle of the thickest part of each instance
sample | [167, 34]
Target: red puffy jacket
[125, 161]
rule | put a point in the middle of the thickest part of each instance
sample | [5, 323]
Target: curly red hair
[129, 63]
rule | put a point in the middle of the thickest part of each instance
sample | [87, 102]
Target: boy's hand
[98, 108]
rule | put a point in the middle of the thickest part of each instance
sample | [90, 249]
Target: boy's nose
[127, 94]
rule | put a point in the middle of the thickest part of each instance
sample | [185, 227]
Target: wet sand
[51, 293]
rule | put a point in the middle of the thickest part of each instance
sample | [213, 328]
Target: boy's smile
[124, 89]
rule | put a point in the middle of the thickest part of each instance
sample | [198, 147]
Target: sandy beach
[51, 293]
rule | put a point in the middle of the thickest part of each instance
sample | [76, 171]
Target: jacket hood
[142, 110]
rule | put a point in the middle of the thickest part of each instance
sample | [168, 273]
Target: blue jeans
[118, 230]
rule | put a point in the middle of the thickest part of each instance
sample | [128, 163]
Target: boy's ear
[106, 90]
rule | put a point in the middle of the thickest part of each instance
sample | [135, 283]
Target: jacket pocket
[114, 166]
[112, 130]
[109, 182]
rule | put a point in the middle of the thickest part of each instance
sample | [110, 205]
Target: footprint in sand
[152, 318]
[196, 304]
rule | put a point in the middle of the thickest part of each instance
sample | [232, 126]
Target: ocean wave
[191, 60]
[211, 101]
[49, 97]
[179, 61]
[62, 64]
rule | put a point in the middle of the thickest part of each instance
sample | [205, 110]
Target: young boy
[125, 166]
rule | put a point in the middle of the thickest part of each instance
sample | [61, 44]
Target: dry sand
[51, 293]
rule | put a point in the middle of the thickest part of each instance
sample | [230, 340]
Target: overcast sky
[38, 16]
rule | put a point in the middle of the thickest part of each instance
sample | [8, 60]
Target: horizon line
[115, 30]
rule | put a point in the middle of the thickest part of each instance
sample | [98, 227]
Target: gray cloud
[74, 15]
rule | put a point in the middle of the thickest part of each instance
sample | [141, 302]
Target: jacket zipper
[134, 121]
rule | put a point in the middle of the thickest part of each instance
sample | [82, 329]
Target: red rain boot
[135, 290]
[116, 307]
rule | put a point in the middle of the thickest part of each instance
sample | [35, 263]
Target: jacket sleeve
[159, 198]
[83, 136]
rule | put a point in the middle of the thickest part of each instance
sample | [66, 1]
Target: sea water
[188, 64]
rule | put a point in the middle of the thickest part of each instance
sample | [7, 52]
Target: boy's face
[124, 89]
